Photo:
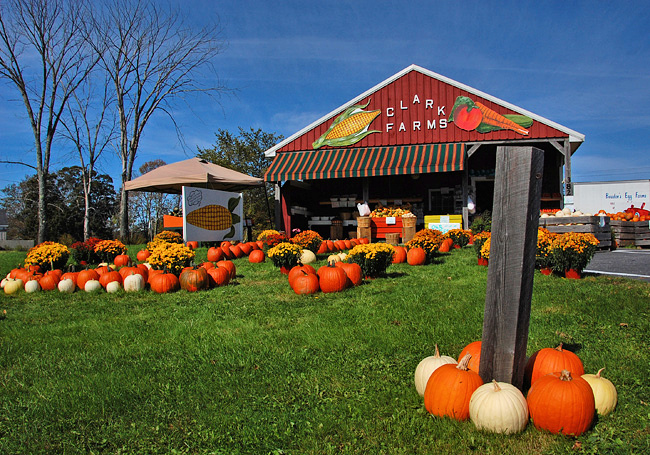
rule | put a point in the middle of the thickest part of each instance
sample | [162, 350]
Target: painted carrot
[492, 118]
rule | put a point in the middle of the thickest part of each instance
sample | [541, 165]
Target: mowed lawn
[252, 368]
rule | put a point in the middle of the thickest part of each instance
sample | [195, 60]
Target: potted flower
[543, 258]
[285, 255]
[430, 245]
[485, 251]
[273, 240]
[171, 256]
[308, 240]
[47, 255]
[571, 252]
[479, 240]
[459, 236]
[373, 258]
[108, 249]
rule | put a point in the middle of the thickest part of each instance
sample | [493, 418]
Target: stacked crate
[599, 226]
[631, 233]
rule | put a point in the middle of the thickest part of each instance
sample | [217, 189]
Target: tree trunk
[42, 216]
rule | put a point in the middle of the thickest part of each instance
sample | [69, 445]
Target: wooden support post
[517, 192]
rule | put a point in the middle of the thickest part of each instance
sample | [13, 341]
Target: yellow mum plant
[373, 258]
[285, 254]
[108, 249]
[171, 256]
[48, 255]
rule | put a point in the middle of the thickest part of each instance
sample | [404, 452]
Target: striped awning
[366, 162]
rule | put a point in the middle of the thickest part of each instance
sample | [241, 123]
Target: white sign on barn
[211, 215]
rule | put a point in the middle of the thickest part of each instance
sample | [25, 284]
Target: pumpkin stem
[496, 385]
[462, 365]
[437, 354]
[598, 374]
[559, 348]
[565, 376]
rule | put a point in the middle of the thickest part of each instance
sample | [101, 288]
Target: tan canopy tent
[193, 172]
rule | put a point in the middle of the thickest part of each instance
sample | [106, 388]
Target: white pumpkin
[13, 285]
[67, 286]
[147, 265]
[32, 286]
[92, 285]
[498, 407]
[427, 366]
[113, 287]
[605, 393]
[333, 258]
[307, 257]
[3, 282]
[567, 211]
[134, 283]
[559, 213]
[343, 256]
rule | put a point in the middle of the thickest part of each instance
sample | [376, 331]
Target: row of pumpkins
[561, 399]
[113, 278]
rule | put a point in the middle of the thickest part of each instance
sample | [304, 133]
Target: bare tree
[91, 128]
[43, 54]
[153, 58]
[147, 209]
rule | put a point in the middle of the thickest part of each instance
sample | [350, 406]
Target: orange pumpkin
[561, 402]
[450, 388]
[162, 283]
[218, 276]
[230, 266]
[86, 275]
[109, 277]
[416, 256]
[305, 283]
[193, 244]
[49, 282]
[473, 348]
[551, 360]
[215, 254]
[143, 255]
[400, 255]
[332, 278]
[256, 256]
[122, 260]
[297, 270]
[194, 279]
[246, 248]
[352, 271]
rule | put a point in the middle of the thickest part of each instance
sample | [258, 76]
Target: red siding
[401, 93]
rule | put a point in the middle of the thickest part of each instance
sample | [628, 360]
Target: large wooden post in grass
[513, 243]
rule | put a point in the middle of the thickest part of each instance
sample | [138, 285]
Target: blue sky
[582, 64]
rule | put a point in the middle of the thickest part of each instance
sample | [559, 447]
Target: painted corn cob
[349, 127]
[216, 217]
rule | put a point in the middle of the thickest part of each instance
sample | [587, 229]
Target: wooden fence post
[513, 243]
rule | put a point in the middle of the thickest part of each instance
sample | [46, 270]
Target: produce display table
[599, 226]
[379, 228]
[630, 233]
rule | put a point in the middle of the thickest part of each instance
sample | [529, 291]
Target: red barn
[417, 139]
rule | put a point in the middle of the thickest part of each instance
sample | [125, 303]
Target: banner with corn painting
[211, 215]
[470, 115]
[349, 127]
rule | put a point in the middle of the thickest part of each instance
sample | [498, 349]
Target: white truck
[616, 196]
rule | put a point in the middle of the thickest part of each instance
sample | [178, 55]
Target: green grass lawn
[252, 368]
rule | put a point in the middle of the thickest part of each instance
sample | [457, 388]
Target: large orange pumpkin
[86, 275]
[561, 402]
[49, 282]
[246, 248]
[352, 271]
[256, 256]
[332, 278]
[473, 348]
[218, 276]
[551, 360]
[230, 266]
[143, 255]
[416, 256]
[400, 255]
[445, 246]
[215, 254]
[305, 283]
[450, 388]
[162, 283]
[122, 260]
[297, 270]
[194, 279]
[126, 271]
[108, 277]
